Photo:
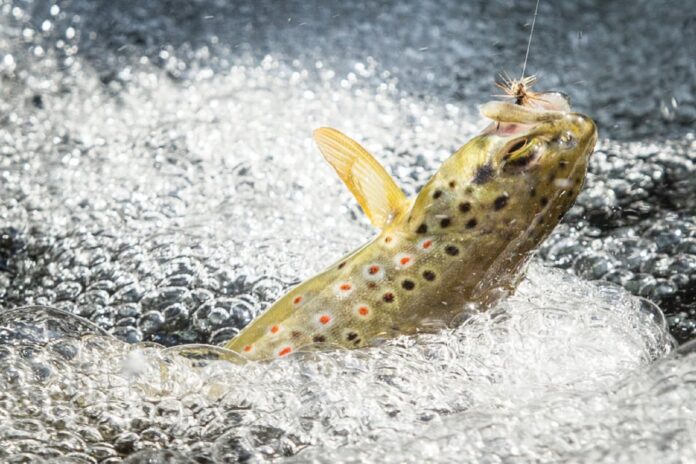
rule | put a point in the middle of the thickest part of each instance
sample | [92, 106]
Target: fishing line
[529, 43]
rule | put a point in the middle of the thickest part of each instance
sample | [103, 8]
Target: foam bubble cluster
[549, 374]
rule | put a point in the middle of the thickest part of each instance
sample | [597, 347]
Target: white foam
[549, 374]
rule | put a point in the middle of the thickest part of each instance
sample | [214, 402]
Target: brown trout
[461, 243]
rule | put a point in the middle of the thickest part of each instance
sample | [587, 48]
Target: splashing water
[172, 202]
[548, 374]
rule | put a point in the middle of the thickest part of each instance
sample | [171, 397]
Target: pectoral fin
[378, 195]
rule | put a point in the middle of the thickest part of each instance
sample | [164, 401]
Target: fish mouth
[510, 118]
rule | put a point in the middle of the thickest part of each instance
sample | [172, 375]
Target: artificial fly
[520, 89]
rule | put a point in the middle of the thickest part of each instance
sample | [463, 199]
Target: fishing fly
[520, 89]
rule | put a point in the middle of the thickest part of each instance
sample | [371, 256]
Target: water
[158, 180]
[557, 371]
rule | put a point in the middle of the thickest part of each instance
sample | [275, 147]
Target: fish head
[501, 194]
[516, 179]
[538, 138]
[541, 149]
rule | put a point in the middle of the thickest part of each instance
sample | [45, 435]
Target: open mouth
[510, 118]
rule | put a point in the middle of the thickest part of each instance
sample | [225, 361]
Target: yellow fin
[378, 195]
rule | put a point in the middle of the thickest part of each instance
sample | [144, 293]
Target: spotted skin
[463, 239]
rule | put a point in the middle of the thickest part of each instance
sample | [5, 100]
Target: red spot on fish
[345, 287]
[402, 260]
[297, 300]
[325, 319]
[426, 244]
[275, 329]
[373, 272]
[247, 348]
[285, 351]
[363, 310]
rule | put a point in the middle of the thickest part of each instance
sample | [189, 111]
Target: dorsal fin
[378, 195]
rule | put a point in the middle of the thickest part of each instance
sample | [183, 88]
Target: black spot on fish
[429, 275]
[388, 297]
[372, 285]
[342, 265]
[451, 250]
[437, 194]
[408, 284]
[351, 336]
[484, 173]
[423, 228]
[295, 334]
[452, 184]
[544, 201]
[563, 163]
[319, 339]
[464, 207]
[445, 222]
[469, 190]
[356, 342]
[532, 193]
[471, 223]
[500, 202]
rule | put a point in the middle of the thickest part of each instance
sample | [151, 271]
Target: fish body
[462, 241]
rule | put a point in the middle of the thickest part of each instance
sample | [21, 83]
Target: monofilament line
[529, 43]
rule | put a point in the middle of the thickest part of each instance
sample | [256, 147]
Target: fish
[460, 245]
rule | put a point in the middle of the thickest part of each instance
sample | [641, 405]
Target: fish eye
[566, 141]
